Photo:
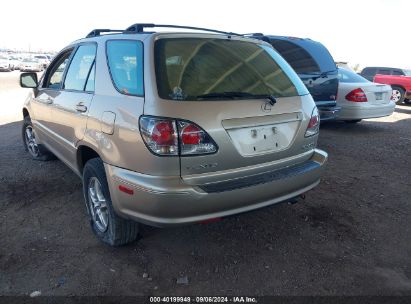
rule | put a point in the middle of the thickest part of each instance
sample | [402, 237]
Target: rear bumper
[166, 201]
[371, 111]
[329, 112]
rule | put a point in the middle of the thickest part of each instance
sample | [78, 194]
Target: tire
[105, 223]
[397, 94]
[36, 151]
[353, 121]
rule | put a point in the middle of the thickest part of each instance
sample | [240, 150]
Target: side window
[299, 59]
[397, 72]
[54, 76]
[369, 72]
[125, 61]
[384, 71]
[80, 67]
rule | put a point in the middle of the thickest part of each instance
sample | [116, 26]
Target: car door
[70, 107]
[49, 89]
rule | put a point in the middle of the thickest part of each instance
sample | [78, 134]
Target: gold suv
[168, 128]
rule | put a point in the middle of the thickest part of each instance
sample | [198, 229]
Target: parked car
[16, 61]
[31, 65]
[5, 63]
[43, 59]
[399, 84]
[213, 125]
[370, 72]
[360, 99]
[314, 65]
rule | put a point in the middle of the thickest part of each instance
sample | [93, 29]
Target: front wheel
[397, 94]
[105, 223]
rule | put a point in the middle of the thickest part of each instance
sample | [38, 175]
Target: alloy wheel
[98, 205]
[396, 96]
[31, 143]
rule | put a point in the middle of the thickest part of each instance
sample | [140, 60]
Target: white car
[16, 61]
[360, 99]
[31, 65]
[43, 59]
[5, 63]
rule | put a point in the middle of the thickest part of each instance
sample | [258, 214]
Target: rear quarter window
[125, 61]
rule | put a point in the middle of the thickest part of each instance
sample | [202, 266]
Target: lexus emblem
[267, 106]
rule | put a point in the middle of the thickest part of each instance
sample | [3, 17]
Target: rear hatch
[313, 63]
[242, 94]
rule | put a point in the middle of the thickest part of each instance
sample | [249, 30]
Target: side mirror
[28, 80]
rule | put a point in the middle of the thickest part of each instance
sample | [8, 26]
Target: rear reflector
[314, 123]
[126, 189]
[211, 220]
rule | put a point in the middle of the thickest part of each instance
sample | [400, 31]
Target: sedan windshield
[222, 69]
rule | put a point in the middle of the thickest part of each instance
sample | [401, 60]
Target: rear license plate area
[257, 140]
[379, 96]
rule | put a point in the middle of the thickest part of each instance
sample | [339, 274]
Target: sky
[364, 32]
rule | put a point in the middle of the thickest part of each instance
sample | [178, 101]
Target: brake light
[314, 123]
[166, 136]
[160, 135]
[190, 135]
[163, 133]
[194, 140]
[356, 95]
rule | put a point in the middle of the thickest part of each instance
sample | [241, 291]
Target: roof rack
[139, 28]
[97, 32]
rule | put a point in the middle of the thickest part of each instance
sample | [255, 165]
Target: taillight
[166, 136]
[194, 140]
[356, 95]
[160, 135]
[314, 123]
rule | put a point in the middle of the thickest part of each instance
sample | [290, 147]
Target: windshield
[3, 57]
[347, 76]
[208, 68]
[407, 72]
[30, 60]
[40, 57]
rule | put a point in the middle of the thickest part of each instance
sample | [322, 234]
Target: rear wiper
[238, 95]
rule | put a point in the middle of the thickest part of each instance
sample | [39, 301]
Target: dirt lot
[351, 236]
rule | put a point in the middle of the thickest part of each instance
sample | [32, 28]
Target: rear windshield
[305, 56]
[195, 68]
[347, 76]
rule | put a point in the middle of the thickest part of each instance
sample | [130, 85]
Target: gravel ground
[351, 236]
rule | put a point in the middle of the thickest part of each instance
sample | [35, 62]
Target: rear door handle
[80, 107]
